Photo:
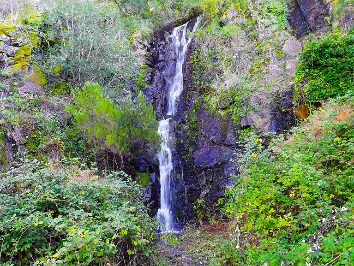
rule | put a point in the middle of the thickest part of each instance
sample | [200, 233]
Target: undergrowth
[294, 201]
[61, 215]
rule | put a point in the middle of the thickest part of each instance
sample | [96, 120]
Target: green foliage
[294, 201]
[140, 80]
[326, 67]
[235, 52]
[122, 128]
[47, 218]
[142, 178]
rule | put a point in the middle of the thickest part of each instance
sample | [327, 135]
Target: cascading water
[181, 42]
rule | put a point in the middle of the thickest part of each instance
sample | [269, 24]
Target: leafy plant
[294, 200]
[123, 129]
[53, 216]
[326, 67]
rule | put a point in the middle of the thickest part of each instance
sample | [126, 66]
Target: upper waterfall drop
[181, 42]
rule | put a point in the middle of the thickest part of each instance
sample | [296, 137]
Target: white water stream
[181, 42]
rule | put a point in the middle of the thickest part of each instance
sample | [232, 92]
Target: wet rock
[212, 156]
[141, 163]
[230, 168]
[272, 113]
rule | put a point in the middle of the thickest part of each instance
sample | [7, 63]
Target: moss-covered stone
[2, 154]
[7, 28]
[59, 88]
[33, 38]
[21, 60]
[37, 75]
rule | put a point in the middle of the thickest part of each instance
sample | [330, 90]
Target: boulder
[30, 90]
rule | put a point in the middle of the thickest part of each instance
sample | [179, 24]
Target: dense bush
[294, 202]
[123, 129]
[54, 217]
[326, 67]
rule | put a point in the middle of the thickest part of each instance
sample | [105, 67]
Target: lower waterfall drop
[181, 42]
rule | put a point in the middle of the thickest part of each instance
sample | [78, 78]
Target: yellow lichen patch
[33, 38]
[56, 69]
[21, 59]
[29, 14]
[22, 54]
[37, 75]
[6, 28]
[21, 67]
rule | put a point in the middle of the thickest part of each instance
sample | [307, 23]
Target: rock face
[307, 16]
[205, 145]
[274, 112]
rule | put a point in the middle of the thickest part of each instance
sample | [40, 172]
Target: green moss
[258, 67]
[3, 158]
[140, 82]
[37, 75]
[56, 69]
[36, 141]
[59, 88]
[325, 68]
[142, 178]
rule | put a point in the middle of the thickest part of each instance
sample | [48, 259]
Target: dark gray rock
[19, 41]
[30, 90]
[205, 147]
[5, 39]
[307, 16]
[208, 157]
[9, 50]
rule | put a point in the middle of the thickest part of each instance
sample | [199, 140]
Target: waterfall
[181, 42]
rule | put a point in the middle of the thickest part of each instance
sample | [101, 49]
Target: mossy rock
[59, 88]
[56, 69]
[37, 75]
[21, 59]
[7, 28]
[33, 38]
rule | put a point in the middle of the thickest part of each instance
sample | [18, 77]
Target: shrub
[122, 128]
[47, 218]
[294, 201]
[89, 42]
[326, 67]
